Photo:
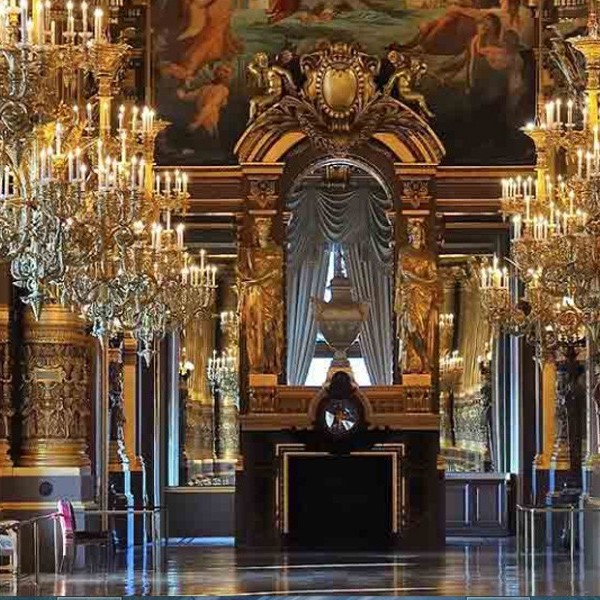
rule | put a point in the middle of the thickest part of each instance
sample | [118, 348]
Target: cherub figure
[210, 98]
[408, 72]
[273, 81]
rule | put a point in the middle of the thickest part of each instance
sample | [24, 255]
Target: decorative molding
[262, 193]
[415, 192]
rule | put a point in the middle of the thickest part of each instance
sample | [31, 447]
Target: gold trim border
[45, 471]
[395, 450]
[225, 489]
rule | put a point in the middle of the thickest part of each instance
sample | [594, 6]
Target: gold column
[129, 403]
[6, 386]
[56, 387]
[199, 434]
[547, 402]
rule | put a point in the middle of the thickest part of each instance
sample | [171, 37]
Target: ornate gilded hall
[299, 297]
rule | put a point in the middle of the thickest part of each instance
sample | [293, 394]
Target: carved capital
[415, 193]
[262, 194]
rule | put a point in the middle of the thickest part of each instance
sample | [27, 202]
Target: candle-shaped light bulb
[134, 118]
[180, 230]
[58, 139]
[98, 17]
[84, 16]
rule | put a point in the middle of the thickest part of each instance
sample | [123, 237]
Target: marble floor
[489, 568]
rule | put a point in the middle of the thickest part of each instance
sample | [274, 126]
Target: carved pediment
[337, 104]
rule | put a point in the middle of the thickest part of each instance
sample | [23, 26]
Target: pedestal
[55, 365]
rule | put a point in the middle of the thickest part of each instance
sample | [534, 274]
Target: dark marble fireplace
[376, 487]
[345, 501]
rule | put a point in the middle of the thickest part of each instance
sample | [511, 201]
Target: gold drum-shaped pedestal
[55, 364]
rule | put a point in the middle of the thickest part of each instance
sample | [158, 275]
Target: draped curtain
[356, 220]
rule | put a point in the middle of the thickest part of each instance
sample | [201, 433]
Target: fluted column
[199, 434]
[56, 389]
[6, 386]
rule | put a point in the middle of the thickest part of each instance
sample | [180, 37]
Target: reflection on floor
[463, 569]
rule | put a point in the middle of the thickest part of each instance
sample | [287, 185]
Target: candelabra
[451, 369]
[446, 323]
[222, 373]
[230, 327]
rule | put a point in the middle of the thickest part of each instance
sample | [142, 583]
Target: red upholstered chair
[71, 538]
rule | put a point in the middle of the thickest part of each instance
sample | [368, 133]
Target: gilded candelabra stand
[451, 371]
[223, 377]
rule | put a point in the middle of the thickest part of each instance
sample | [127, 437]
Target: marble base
[27, 492]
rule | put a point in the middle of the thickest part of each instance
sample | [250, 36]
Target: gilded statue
[273, 81]
[407, 74]
[261, 303]
[416, 302]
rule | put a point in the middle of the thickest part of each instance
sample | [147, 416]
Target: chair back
[66, 519]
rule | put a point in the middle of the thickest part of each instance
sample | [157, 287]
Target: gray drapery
[355, 219]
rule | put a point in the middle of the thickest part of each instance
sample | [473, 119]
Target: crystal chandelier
[555, 223]
[81, 203]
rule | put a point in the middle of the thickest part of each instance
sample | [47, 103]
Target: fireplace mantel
[398, 407]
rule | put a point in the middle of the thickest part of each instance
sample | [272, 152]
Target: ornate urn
[340, 318]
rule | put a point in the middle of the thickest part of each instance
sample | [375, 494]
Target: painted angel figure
[205, 38]
[210, 99]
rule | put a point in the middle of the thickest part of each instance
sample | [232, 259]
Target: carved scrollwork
[339, 106]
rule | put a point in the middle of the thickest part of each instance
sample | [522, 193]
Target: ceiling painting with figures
[470, 65]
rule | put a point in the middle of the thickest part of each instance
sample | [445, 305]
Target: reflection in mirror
[465, 373]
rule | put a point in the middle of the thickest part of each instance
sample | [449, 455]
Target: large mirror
[467, 430]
